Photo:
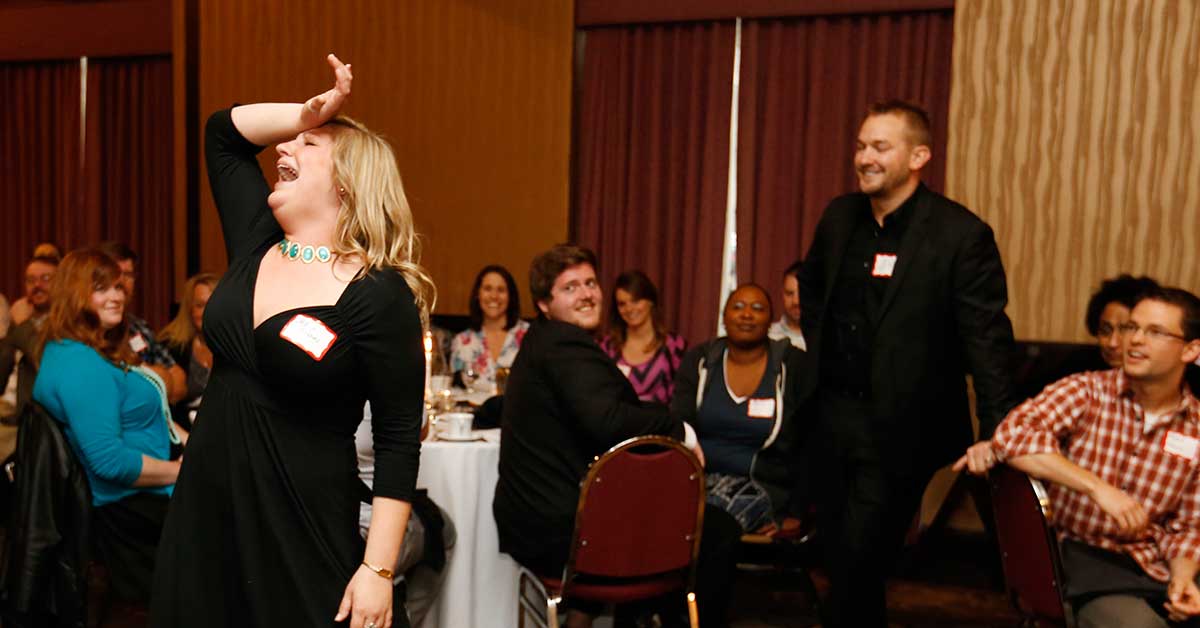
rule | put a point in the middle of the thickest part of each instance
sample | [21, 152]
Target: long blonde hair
[180, 332]
[375, 222]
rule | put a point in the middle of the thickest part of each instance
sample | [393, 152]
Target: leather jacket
[43, 577]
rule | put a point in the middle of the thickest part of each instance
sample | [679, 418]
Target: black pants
[720, 540]
[126, 536]
[866, 505]
[1093, 574]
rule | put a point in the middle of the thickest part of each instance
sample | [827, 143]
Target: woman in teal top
[114, 416]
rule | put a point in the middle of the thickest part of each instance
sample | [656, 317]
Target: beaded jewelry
[306, 253]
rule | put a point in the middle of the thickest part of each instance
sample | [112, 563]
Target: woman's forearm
[267, 123]
[157, 472]
[389, 519]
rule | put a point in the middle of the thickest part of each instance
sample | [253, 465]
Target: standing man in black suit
[903, 295]
[566, 403]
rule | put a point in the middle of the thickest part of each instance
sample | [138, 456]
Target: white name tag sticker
[625, 369]
[885, 263]
[310, 334]
[761, 408]
[1181, 445]
[137, 343]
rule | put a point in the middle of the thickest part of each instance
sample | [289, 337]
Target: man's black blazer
[942, 317]
[566, 402]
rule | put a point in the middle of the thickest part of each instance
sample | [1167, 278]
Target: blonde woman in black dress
[321, 310]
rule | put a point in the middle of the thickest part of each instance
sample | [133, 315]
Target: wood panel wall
[475, 96]
[1075, 132]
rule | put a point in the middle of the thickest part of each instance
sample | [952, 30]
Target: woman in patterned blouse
[638, 341]
[496, 330]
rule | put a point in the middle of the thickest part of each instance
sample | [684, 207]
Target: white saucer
[456, 439]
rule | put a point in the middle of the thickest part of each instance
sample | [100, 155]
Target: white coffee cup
[455, 425]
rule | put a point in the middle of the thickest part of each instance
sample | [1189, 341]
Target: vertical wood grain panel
[1073, 132]
[473, 94]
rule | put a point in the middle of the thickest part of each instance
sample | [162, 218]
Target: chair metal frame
[1029, 617]
[554, 597]
[789, 556]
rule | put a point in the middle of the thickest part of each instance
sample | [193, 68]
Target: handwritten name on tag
[885, 264]
[761, 409]
[1181, 445]
[310, 334]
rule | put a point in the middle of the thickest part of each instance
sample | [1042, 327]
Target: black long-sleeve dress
[263, 526]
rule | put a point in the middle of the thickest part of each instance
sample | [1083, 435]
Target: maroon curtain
[40, 171]
[652, 159]
[119, 187]
[805, 83]
[128, 169]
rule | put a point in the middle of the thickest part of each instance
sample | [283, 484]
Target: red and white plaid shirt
[1093, 420]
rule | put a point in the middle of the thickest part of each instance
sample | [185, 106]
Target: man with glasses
[565, 404]
[18, 349]
[1120, 450]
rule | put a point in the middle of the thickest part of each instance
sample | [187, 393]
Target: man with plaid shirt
[1121, 451]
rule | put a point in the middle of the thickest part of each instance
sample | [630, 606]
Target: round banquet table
[480, 589]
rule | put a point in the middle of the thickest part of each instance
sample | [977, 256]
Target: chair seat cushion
[617, 590]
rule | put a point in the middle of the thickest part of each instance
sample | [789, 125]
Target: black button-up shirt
[857, 297]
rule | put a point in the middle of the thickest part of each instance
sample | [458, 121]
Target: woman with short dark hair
[1109, 307]
[738, 393]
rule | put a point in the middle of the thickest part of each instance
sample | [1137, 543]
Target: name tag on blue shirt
[761, 408]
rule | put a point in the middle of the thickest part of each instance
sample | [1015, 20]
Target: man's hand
[1127, 512]
[979, 458]
[174, 378]
[1183, 598]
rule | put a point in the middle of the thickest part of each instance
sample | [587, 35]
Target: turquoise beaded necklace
[306, 253]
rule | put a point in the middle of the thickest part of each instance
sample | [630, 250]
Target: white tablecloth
[480, 590]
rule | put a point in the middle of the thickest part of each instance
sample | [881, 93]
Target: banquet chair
[637, 532]
[1029, 549]
[48, 576]
[789, 552]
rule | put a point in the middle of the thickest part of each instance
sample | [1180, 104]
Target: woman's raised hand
[324, 106]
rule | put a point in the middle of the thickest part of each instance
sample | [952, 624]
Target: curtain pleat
[653, 160]
[40, 163]
[805, 84]
[118, 188]
[653, 140]
[128, 170]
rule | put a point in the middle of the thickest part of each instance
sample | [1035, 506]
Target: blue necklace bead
[306, 253]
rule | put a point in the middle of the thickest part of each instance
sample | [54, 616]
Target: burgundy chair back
[1028, 548]
[640, 510]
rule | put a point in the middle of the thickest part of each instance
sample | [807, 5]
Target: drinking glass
[469, 377]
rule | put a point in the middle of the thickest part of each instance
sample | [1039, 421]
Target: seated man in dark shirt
[566, 403]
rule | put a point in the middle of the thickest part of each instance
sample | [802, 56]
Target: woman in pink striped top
[638, 341]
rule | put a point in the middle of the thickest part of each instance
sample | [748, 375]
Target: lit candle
[428, 360]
